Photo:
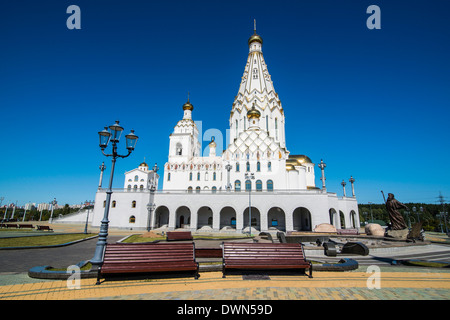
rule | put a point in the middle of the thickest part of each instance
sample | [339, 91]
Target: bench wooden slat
[147, 258]
[264, 256]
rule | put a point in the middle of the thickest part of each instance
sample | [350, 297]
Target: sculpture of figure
[392, 206]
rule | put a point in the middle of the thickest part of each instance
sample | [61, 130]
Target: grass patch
[47, 240]
[138, 238]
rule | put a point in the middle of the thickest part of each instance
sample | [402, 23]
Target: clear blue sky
[373, 104]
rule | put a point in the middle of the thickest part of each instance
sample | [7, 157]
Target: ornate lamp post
[249, 176]
[87, 215]
[228, 167]
[343, 183]
[322, 166]
[106, 136]
[151, 205]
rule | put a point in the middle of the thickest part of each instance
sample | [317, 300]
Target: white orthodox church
[214, 192]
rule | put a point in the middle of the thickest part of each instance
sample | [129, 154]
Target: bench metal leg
[98, 277]
[310, 273]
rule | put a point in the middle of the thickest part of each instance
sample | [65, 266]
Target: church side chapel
[212, 192]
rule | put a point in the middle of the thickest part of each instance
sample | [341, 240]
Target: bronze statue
[392, 205]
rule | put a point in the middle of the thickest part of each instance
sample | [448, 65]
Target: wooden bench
[148, 258]
[348, 231]
[178, 235]
[274, 256]
[26, 226]
[10, 225]
[43, 228]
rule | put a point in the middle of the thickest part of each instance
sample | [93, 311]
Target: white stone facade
[213, 192]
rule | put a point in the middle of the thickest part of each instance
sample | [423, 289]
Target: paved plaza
[392, 282]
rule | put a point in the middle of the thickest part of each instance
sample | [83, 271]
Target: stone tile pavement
[410, 285]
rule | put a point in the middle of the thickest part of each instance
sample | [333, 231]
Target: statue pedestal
[398, 234]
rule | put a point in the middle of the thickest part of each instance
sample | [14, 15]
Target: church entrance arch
[183, 217]
[342, 219]
[227, 218]
[204, 217]
[353, 219]
[276, 219]
[332, 214]
[256, 219]
[301, 219]
[161, 217]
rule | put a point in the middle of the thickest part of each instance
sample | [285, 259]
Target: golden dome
[143, 164]
[298, 160]
[188, 106]
[212, 143]
[255, 37]
[253, 113]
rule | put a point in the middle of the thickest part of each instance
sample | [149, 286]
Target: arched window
[237, 166]
[190, 189]
[248, 166]
[258, 185]
[214, 189]
[237, 185]
[129, 187]
[133, 204]
[132, 219]
[179, 150]
[114, 204]
[248, 185]
[197, 189]
[269, 185]
[269, 166]
[135, 187]
[276, 129]
[141, 187]
[198, 176]
[214, 176]
[237, 125]
[190, 176]
[168, 176]
[136, 178]
[258, 166]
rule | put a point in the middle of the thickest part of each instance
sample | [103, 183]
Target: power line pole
[443, 213]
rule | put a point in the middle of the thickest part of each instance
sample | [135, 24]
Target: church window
[258, 185]
[136, 178]
[248, 166]
[179, 150]
[269, 166]
[237, 166]
[267, 123]
[233, 221]
[214, 176]
[237, 128]
[197, 189]
[190, 189]
[135, 187]
[168, 176]
[141, 187]
[276, 129]
[206, 176]
[129, 187]
[114, 204]
[248, 185]
[237, 185]
[258, 166]
[133, 204]
[214, 189]
[198, 176]
[274, 223]
[269, 185]
[132, 219]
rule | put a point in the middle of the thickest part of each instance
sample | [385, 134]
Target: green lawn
[46, 240]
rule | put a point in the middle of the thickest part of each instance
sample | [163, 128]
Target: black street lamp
[106, 136]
